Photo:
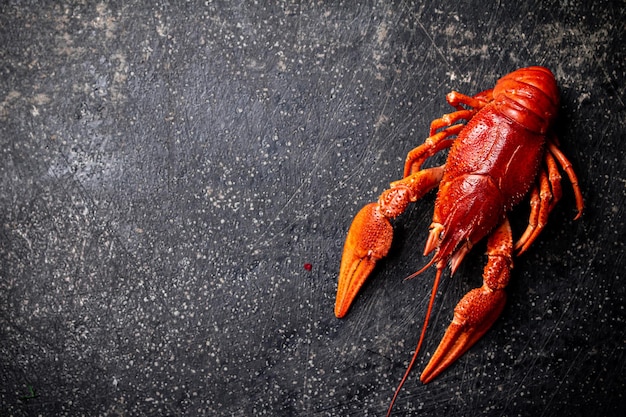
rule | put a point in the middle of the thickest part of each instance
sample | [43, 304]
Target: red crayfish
[505, 149]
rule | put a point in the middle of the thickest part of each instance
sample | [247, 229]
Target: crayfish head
[467, 209]
[369, 239]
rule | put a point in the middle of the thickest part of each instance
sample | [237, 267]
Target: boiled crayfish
[505, 149]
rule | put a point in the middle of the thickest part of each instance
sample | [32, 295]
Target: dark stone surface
[168, 169]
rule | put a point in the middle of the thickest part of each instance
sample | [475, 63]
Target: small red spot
[308, 266]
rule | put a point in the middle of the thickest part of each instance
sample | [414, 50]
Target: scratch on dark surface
[304, 183]
[555, 391]
[434, 45]
[381, 114]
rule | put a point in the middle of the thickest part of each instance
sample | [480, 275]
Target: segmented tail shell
[528, 96]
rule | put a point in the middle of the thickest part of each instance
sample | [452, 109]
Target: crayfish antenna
[424, 268]
[440, 266]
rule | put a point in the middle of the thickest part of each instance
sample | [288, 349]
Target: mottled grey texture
[166, 171]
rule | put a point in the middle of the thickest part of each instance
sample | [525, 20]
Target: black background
[168, 169]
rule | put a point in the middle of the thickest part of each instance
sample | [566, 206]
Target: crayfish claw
[473, 316]
[369, 239]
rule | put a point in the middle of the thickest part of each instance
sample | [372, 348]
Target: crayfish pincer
[502, 148]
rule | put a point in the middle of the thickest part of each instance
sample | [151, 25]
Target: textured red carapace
[505, 150]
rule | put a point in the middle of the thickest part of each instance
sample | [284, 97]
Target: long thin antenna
[440, 268]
